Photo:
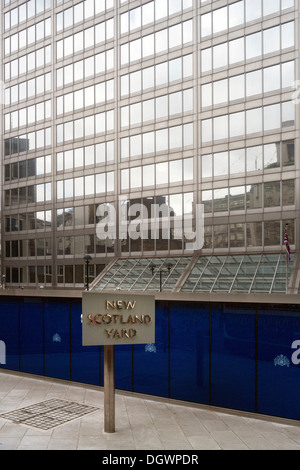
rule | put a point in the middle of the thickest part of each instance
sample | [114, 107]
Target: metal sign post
[110, 319]
[109, 389]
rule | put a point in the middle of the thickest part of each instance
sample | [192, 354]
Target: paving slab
[75, 421]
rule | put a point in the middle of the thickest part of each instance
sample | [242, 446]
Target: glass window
[89, 37]
[78, 41]
[254, 196]
[272, 155]
[125, 179]
[253, 45]
[237, 87]
[175, 72]
[206, 24]
[272, 194]
[135, 177]
[188, 169]
[254, 233]
[254, 83]
[220, 56]
[187, 66]
[207, 201]
[237, 198]
[254, 158]
[272, 117]
[135, 145]
[175, 36]
[135, 114]
[270, 6]
[288, 74]
[219, 20]
[237, 235]
[78, 187]
[161, 9]
[206, 130]
[161, 104]
[79, 216]
[135, 81]
[236, 14]
[175, 103]
[68, 158]
[288, 153]
[148, 78]
[287, 35]
[237, 124]
[221, 200]
[254, 120]
[148, 45]
[162, 140]
[68, 46]
[135, 50]
[236, 50]
[148, 142]
[287, 4]
[176, 171]
[237, 161]
[253, 9]
[288, 193]
[78, 13]
[272, 233]
[149, 175]
[272, 78]
[175, 137]
[220, 91]
[148, 110]
[221, 127]
[89, 185]
[271, 39]
[288, 114]
[162, 173]
[220, 236]
[206, 166]
[148, 13]
[206, 95]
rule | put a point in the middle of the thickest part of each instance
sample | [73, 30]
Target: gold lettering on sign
[117, 334]
[107, 319]
[120, 304]
[117, 329]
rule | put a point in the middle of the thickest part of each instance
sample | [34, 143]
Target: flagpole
[287, 274]
[287, 260]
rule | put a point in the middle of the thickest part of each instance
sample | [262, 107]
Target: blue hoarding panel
[151, 361]
[57, 340]
[233, 357]
[189, 352]
[123, 367]
[9, 335]
[31, 336]
[278, 368]
[239, 357]
[85, 360]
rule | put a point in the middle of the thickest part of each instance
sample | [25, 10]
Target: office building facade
[180, 103]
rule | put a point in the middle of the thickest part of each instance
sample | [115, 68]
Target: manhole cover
[49, 414]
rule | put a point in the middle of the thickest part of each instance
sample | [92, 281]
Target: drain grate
[49, 414]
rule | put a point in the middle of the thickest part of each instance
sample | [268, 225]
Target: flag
[287, 245]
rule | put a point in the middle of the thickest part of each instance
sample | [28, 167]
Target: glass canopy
[265, 273]
[143, 274]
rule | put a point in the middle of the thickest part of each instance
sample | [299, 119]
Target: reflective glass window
[272, 194]
[254, 196]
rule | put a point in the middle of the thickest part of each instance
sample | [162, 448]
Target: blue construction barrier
[241, 357]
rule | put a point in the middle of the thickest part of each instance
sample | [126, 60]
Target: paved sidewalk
[142, 423]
